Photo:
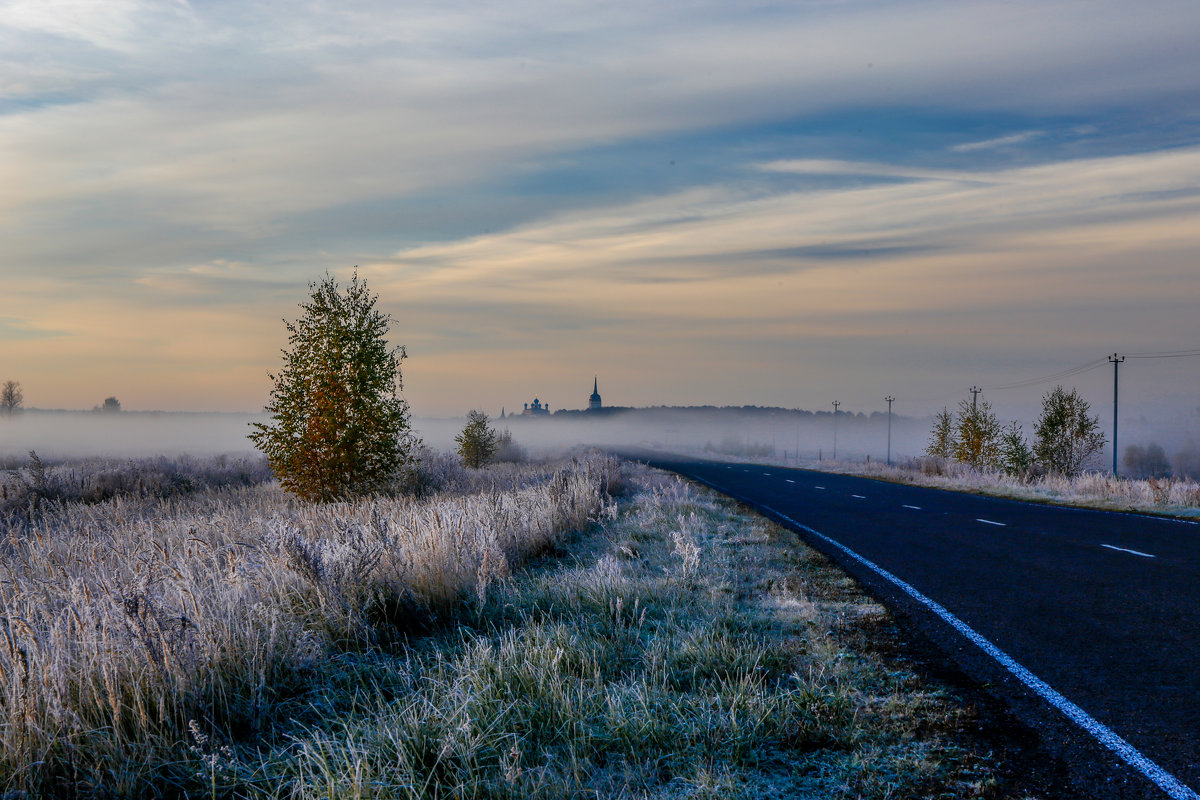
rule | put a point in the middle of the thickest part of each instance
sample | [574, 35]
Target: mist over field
[73, 434]
[749, 432]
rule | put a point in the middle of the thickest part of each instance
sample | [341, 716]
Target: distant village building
[594, 403]
[535, 409]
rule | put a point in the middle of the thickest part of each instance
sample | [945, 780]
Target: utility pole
[1116, 361]
[835, 415]
[974, 390]
[890, 400]
[797, 436]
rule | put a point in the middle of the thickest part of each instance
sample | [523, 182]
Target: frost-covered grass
[138, 631]
[577, 629]
[1171, 496]
[29, 482]
[684, 650]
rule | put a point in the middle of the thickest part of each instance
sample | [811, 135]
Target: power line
[1066, 373]
[1167, 354]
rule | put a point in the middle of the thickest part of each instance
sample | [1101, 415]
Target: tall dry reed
[129, 628]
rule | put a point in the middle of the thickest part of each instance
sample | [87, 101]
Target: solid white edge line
[1164, 780]
[1102, 733]
[1125, 550]
[989, 522]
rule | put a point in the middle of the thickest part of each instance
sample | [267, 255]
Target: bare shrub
[508, 450]
[930, 465]
[11, 398]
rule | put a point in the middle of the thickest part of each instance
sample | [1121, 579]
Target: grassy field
[580, 629]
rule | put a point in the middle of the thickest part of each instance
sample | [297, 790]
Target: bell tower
[594, 403]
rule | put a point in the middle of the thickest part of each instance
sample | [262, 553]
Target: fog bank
[736, 431]
[125, 434]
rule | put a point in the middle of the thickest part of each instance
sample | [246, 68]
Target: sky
[728, 203]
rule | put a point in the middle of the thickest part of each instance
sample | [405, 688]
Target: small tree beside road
[478, 441]
[941, 438]
[1016, 457]
[977, 436]
[339, 427]
[1066, 439]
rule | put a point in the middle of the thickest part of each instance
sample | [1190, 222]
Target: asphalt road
[1102, 609]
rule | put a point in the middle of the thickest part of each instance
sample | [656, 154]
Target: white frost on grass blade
[123, 622]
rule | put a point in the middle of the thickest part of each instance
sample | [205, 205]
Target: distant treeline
[708, 413]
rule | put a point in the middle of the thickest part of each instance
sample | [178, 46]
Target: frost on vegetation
[612, 678]
[32, 482]
[1163, 495]
[685, 544]
[125, 624]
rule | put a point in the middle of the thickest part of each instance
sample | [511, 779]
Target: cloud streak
[175, 173]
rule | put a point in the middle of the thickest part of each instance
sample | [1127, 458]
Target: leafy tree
[1066, 439]
[941, 438]
[477, 442]
[1016, 457]
[977, 436]
[111, 405]
[11, 397]
[340, 428]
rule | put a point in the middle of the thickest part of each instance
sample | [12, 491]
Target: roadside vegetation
[1170, 496]
[971, 451]
[233, 641]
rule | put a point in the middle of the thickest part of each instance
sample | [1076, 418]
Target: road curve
[1100, 609]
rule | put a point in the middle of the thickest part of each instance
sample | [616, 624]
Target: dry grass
[230, 642]
[685, 650]
[134, 632]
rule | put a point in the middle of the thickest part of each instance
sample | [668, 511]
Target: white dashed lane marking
[1124, 550]
[822, 488]
[914, 508]
[789, 480]
[859, 496]
[989, 522]
[1165, 781]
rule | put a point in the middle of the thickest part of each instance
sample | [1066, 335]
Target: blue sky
[727, 203]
